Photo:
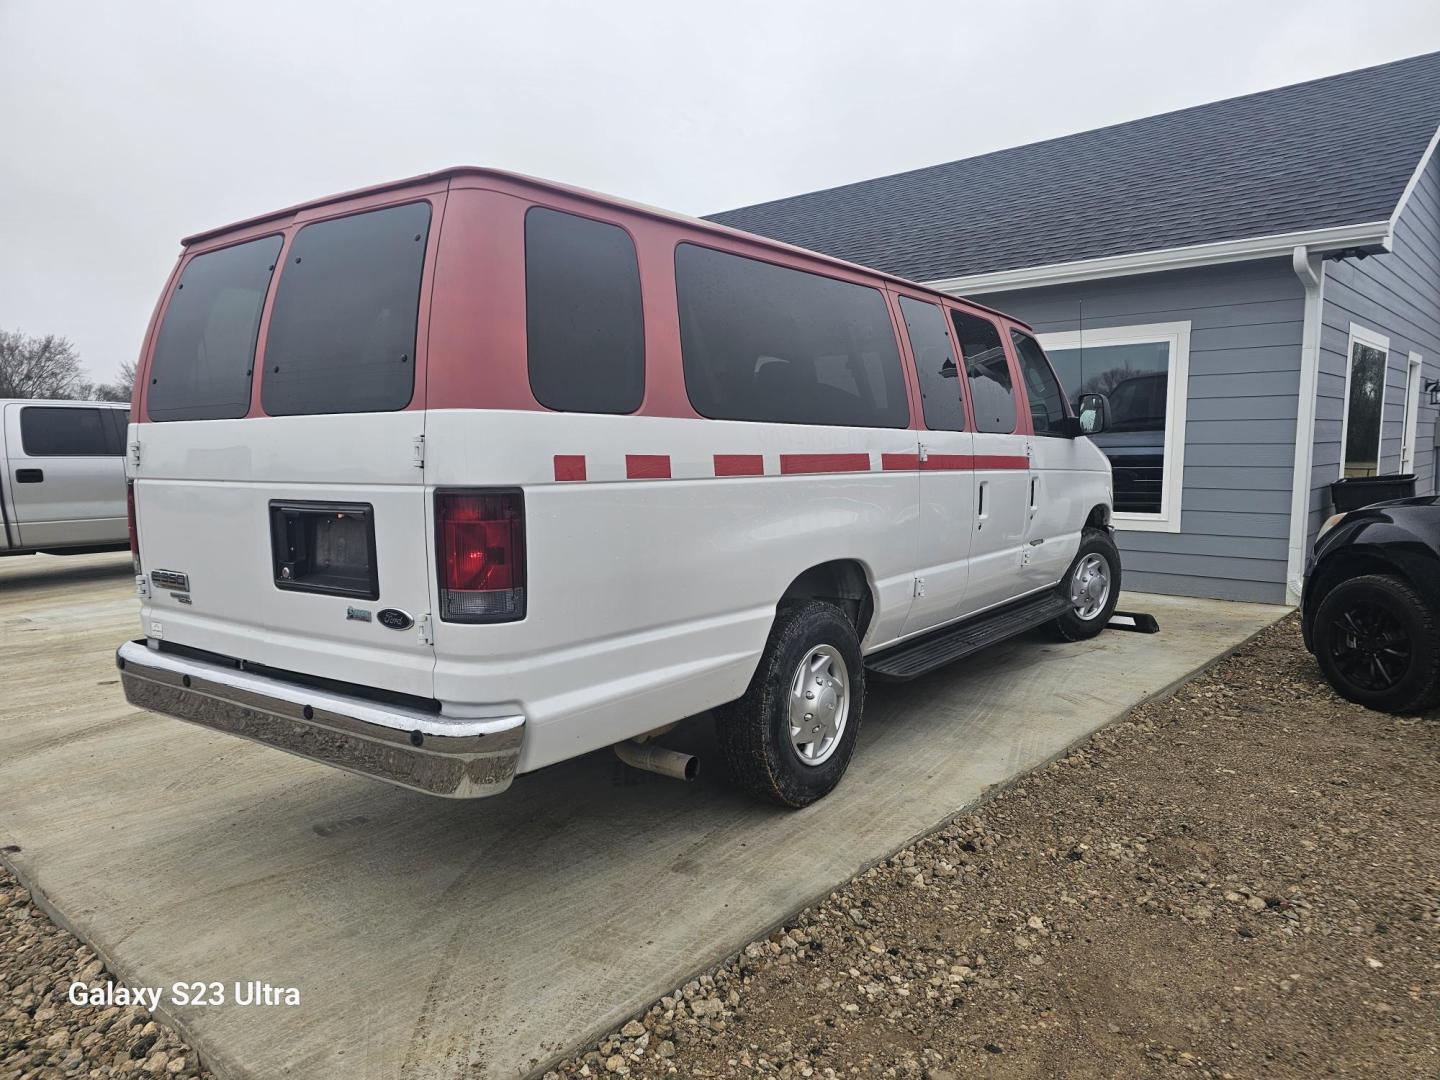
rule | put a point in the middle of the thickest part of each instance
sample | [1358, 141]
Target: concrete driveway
[480, 939]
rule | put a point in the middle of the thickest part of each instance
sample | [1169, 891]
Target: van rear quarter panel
[650, 599]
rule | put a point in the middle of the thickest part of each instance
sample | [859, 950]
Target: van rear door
[280, 515]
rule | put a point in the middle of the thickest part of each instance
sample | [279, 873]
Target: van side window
[991, 394]
[48, 431]
[768, 343]
[342, 331]
[1047, 400]
[935, 364]
[584, 329]
[205, 350]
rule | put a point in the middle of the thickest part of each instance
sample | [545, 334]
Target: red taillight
[480, 544]
[134, 528]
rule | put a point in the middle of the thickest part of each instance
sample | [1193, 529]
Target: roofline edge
[1415, 179]
[1374, 237]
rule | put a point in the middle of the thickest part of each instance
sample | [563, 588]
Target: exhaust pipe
[657, 759]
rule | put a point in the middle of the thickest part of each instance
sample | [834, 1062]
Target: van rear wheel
[789, 739]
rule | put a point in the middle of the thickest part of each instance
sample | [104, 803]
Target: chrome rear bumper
[453, 758]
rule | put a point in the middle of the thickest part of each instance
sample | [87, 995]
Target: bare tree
[125, 381]
[119, 390]
[37, 367]
[1106, 381]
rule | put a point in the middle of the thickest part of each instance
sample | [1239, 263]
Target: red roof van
[450, 479]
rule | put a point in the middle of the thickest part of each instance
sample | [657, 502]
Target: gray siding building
[1255, 284]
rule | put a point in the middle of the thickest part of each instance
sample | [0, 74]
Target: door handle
[29, 476]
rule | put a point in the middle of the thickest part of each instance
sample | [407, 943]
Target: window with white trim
[1364, 423]
[1143, 371]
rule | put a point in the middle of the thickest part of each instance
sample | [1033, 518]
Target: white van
[62, 490]
[458, 477]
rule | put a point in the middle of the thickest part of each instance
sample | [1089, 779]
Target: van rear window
[205, 349]
[766, 342]
[342, 331]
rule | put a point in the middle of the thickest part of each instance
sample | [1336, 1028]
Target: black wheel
[1092, 585]
[1378, 644]
[789, 739]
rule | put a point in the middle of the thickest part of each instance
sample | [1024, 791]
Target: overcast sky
[124, 126]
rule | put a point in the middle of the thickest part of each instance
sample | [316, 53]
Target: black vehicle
[1371, 604]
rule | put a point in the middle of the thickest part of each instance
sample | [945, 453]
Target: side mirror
[1094, 413]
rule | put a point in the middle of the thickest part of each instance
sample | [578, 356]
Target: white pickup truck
[62, 490]
[444, 506]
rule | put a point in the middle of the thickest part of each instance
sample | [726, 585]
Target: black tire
[1070, 626]
[1378, 644]
[755, 732]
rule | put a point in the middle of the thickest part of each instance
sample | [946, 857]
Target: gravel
[42, 1035]
[1242, 880]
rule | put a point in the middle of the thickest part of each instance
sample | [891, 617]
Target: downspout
[1310, 269]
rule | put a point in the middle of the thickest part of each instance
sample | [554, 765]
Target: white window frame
[1414, 379]
[1365, 336]
[1177, 336]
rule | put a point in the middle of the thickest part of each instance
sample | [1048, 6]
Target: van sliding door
[946, 482]
[1001, 464]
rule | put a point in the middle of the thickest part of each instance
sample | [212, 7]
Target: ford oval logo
[394, 618]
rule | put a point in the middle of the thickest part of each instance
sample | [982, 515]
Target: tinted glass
[764, 342]
[935, 363]
[68, 432]
[1136, 379]
[1047, 400]
[991, 394]
[116, 420]
[1363, 410]
[583, 325]
[205, 350]
[342, 333]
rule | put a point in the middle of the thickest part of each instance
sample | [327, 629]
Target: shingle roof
[1335, 151]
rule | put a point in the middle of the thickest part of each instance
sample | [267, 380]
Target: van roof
[449, 174]
[64, 401]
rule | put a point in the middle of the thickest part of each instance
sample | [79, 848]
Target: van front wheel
[789, 739]
[1092, 585]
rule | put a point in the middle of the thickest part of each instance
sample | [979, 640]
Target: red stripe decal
[951, 462]
[739, 465]
[569, 466]
[1001, 461]
[647, 466]
[819, 463]
[948, 463]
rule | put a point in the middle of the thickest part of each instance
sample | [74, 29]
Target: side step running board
[930, 651]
